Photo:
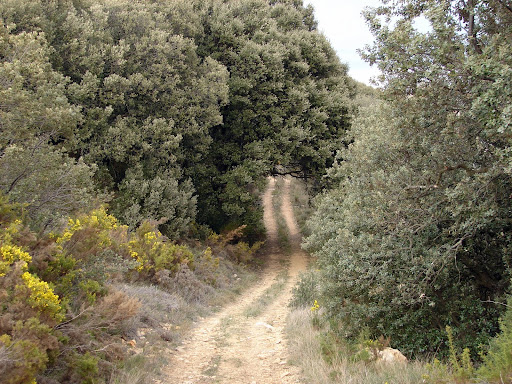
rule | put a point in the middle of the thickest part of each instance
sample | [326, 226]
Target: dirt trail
[245, 342]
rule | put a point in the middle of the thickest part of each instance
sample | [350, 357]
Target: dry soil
[233, 346]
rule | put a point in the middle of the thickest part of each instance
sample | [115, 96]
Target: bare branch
[58, 326]
[495, 302]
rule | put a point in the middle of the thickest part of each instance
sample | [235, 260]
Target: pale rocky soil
[231, 347]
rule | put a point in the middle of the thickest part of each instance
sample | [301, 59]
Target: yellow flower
[9, 254]
[42, 296]
[315, 306]
[12, 253]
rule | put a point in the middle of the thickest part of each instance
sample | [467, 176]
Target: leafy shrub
[153, 252]
[497, 363]
[54, 314]
[307, 290]
[462, 367]
[86, 369]
[230, 242]
[26, 350]
[30, 308]
[206, 267]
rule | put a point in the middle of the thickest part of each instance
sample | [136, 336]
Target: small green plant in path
[213, 366]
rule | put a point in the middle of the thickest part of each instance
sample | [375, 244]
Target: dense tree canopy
[36, 118]
[182, 106]
[288, 98]
[164, 113]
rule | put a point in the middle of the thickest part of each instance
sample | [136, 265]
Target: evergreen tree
[418, 226]
[37, 124]
[289, 102]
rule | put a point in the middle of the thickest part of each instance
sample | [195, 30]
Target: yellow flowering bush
[98, 220]
[9, 254]
[10, 231]
[29, 311]
[44, 278]
[12, 253]
[42, 296]
[154, 253]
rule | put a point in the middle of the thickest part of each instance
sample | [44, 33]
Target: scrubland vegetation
[135, 141]
[81, 304]
[412, 237]
[131, 133]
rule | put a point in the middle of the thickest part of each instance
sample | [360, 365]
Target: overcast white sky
[341, 22]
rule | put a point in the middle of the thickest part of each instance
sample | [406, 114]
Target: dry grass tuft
[168, 311]
[304, 342]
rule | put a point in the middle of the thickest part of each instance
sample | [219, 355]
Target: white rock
[390, 355]
[262, 324]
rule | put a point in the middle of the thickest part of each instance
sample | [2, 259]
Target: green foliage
[37, 124]
[288, 99]
[414, 234]
[24, 357]
[37, 107]
[462, 368]
[91, 288]
[153, 253]
[50, 183]
[307, 290]
[29, 311]
[158, 99]
[86, 368]
[497, 362]
[168, 100]
[161, 197]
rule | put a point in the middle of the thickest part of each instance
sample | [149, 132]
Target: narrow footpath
[245, 342]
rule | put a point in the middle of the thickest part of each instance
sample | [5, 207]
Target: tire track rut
[232, 347]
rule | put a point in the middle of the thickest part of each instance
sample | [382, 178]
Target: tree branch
[508, 7]
[58, 326]
[294, 173]
[469, 170]
[495, 302]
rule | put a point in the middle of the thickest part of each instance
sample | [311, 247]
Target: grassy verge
[324, 361]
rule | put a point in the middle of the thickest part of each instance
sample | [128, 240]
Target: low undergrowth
[95, 302]
[318, 346]
[325, 359]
